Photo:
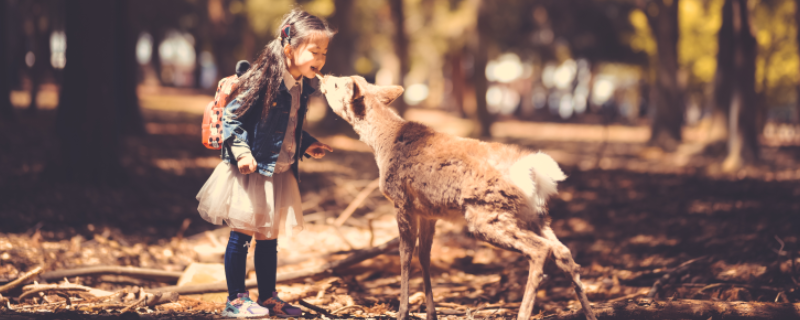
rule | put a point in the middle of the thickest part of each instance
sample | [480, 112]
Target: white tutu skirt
[252, 202]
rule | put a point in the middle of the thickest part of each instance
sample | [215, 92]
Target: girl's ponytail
[265, 76]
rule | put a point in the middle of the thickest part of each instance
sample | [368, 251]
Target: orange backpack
[212, 117]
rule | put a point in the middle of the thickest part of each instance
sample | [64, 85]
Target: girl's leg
[266, 260]
[266, 263]
[236, 261]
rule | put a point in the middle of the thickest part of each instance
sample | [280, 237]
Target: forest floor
[629, 213]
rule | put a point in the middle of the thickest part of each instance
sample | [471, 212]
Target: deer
[500, 190]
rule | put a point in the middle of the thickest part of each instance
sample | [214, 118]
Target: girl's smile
[308, 59]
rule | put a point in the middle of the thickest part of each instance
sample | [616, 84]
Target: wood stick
[626, 297]
[36, 288]
[688, 309]
[326, 269]
[142, 297]
[19, 281]
[674, 273]
[152, 274]
[351, 208]
[363, 308]
[316, 309]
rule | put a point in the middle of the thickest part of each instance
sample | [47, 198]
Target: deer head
[353, 97]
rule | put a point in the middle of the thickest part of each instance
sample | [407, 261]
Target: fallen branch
[351, 208]
[316, 309]
[142, 297]
[32, 289]
[152, 274]
[157, 298]
[687, 309]
[674, 273]
[363, 308]
[21, 280]
[626, 297]
[705, 287]
[326, 269]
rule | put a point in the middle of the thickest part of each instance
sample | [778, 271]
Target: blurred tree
[226, 30]
[341, 52]
[700, 22]
[777, 62]
[400, 46]
[666, 94]
[126, 98]
[797, 35]
[6, 110]
[735, 83]
[98, 100]
[38, 25]
[157, 17]
[480, 52]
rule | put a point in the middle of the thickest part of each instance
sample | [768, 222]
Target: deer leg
[563, 259]
[427, 228]
[505, 230]
[534, 278]
[407, 223]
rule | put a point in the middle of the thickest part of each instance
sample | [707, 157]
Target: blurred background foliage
[634, 62]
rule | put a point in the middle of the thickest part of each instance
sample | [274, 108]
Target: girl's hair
[265, 76]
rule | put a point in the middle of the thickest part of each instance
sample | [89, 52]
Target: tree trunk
[41, 50]
[723, 76]
[127, 99]
[457, 75]
[400, 47]
[742, 119]
[797, 27]
[155, 57]
[481, 55]
[6, 110]
[340, 60]
[668, 98]
[91, 117]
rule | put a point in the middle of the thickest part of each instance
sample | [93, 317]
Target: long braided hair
[265, 76]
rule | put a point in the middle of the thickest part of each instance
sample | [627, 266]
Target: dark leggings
[266, 262]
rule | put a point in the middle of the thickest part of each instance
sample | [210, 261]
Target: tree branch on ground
[326, 269]
[152, 274]
[674, 273]
[21, 280]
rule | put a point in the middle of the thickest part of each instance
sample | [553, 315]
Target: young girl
[254, 190]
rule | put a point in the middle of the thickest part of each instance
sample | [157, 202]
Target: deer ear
[387, 94]
[357, 106]
[359, 90]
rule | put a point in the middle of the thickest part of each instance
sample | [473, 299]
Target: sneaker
[280, 308]
[243, 307]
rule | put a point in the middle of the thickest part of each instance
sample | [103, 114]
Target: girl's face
[309, 57]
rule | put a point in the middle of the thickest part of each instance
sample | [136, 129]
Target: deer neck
[378, 129]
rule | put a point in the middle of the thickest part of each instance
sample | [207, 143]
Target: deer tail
[537, 175]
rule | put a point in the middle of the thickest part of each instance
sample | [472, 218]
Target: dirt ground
[628, 212]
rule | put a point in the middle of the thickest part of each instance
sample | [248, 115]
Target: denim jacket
[265, 138]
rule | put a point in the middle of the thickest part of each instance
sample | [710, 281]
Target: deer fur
[500, 190]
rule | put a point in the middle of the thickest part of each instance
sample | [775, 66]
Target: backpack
[212, 117]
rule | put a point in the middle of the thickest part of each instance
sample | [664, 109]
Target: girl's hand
[317, 149]
[247, 164]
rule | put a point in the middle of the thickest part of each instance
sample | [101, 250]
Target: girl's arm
[235, 136]
[308, 140]
[233, 132]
